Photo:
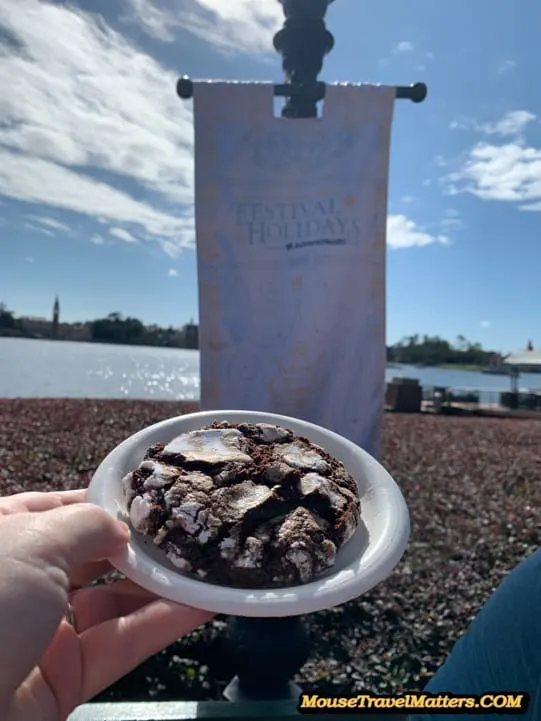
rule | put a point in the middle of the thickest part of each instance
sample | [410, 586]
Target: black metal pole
[267, 653]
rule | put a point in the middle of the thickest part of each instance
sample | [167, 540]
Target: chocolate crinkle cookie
[244, 505]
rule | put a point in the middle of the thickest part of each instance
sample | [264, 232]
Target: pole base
[235, 693]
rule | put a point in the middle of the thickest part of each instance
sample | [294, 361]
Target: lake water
[56, 369]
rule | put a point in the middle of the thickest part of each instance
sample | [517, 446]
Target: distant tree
[461, 342]
[7, 318]
[133, 330]
[115, 329]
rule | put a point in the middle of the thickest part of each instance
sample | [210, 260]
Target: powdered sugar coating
[211, 446]
[140, 512]
[300, 455]
[247, 505]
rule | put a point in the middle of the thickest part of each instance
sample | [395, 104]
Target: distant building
[37, 327]
[53, 328]
[32, 327]
[75, 331]
[191, 335]
[56, 318]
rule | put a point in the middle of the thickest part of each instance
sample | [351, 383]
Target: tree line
[131, 331]
[114, 328]
[435, 351]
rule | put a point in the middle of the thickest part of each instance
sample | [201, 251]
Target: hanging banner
[291, 247]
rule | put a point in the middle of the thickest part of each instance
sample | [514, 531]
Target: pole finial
[303, 43]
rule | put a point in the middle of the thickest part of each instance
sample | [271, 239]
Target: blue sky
[96, 168]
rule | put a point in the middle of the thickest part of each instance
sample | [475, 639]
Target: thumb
[73, 535]
[37, 553]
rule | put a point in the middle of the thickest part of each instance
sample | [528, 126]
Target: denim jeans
[501, 650]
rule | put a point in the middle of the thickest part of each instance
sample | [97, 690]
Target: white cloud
[403, 47]
[463, 124]
[51, 223]
[449, 224]
[92, 100]
[514, 123]
[30, 260]
[96, 101]
[451, 221]
[407, 199]
[242, 26]
[37, 229]
[427, 182]
[172, 273]
[122, 234]
[485, 324]
[155, 21]
[41, 181]
[508, 172]
[506, 66]
[405, 233]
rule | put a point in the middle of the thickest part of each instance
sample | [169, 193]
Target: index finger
[31, 502]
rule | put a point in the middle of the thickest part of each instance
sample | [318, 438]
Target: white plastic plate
[368, 558]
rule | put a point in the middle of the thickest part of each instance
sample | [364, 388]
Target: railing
[265, 654]
[486, 399]
[489, 397]
[210, 711]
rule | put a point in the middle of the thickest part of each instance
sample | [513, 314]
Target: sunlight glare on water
[49, 369]
[40, 368]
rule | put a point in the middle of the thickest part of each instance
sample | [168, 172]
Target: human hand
[53, 544]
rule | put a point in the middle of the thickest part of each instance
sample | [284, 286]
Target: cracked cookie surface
[244, 505]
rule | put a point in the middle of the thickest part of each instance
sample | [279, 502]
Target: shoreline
[91, 341]
[471, 487]
[390, 364]
[462, 410]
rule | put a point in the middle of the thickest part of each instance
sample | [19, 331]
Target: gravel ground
[472, 486]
